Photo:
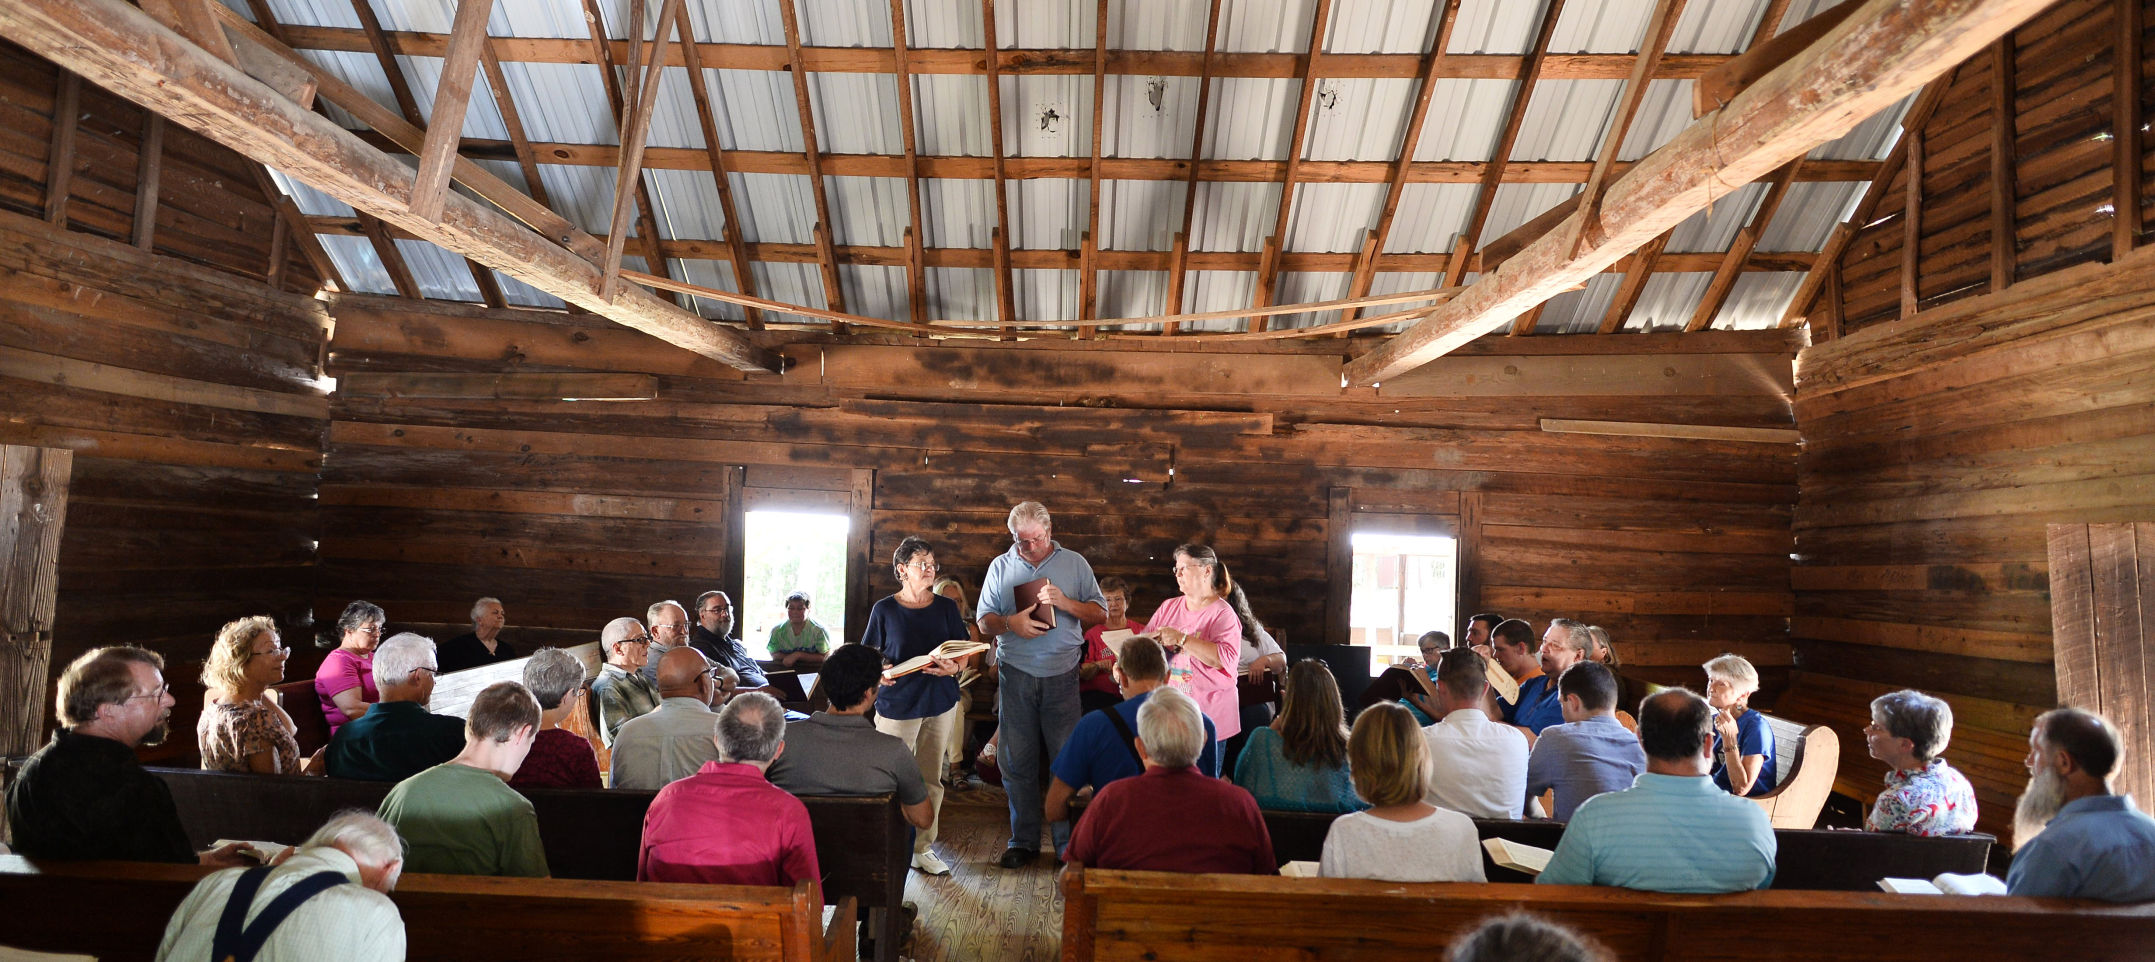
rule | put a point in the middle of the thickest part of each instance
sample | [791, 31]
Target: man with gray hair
[1924, 795]
[1173, 818]
[727, 824]
[397, 737]
[668, 621]
[326, 900]
[1038, 650]
[621, 691]
[672, 742]
[2074, 837]
[482, 645]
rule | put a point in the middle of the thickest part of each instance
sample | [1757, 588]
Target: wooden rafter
[1493, 175]
[452, 95]
[527, 160]
[826, 228]
[1268, 281]
[617, 101]
[122, 49]
[916, 270]
[1652, 45]
[1634, 283]
[721, 171]
[149, 167]
[385, 250]
[60, 156]
[1739, 251]
[1089, 269]
[1912, 225]
[628, 177]
[1882, 52]
[1395, 186]
[1005, 295]
[2126, 155]
[299, 225]
[1178, 255]
[384, 49]
[2004, 242]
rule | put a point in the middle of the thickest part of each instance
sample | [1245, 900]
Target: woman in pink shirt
[345, 682]
[1203, 635]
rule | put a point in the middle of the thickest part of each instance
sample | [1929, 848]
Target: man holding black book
[1038, 643]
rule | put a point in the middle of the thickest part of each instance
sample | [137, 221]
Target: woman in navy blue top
[1743, 742]
[921, 708]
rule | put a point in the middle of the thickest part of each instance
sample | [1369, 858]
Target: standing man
[1037, 687]
[482, 645]
[713, 635]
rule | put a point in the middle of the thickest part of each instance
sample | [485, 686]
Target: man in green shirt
[461, 817]
[798, 643]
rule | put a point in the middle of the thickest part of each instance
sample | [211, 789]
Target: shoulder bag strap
[1129, 738]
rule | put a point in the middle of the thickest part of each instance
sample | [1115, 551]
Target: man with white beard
[2073, 837]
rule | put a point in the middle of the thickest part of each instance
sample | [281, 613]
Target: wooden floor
[980, 910]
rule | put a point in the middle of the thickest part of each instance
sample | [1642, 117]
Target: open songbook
[1301, 870]
[1950, 883]
[949, 649]
[1517, 856]
[1114, 639]
[1507, 687]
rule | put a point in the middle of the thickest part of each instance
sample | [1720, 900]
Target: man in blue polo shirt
[2076, 838]
[1673, 830]
[1512, 646]
[1037, 685]
[1100, 751]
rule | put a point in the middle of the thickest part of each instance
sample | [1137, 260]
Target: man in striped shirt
[1672, 830]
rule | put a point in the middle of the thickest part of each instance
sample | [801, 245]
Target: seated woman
[1299, 762]
[1096, 673]
[242, 728]
[345, 681]
[1401, 838]
[1924, 795]
[559, 758]
[1743, 744]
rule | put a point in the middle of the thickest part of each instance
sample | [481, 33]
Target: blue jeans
[1037, 715]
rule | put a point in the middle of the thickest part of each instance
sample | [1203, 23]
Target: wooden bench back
[1158, 915]
[117, 911]
[1808, 859]
[1807, 758]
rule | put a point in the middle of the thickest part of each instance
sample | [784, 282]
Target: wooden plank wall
[190, 398]
[574, 512]
[2104, 606]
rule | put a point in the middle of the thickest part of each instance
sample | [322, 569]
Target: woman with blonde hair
[1401, 838]
[242, 728]
[1299, 762]
[1743, 742]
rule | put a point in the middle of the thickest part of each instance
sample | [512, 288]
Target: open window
[1403, 585]
[787, 551]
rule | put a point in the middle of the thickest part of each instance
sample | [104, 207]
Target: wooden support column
[385, 248]
[1338, 565]
[2126, 151]
[489, 288]
[1634, 283]
[527, 160]
[1739, 251]
[1268, 278]
[385, 54]
[1005, 295]
[60, 159]
[33, 509]
[826, 228]
[149, 166]
[2004, 124]
[916, 270]
[602, 54]
[1178, 259]
[1651, 46]
[1912, 225]
[452, 96]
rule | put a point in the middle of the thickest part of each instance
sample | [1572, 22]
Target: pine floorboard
[981, 911]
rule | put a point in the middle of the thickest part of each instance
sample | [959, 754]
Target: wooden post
[860, 546]
[2004, 233]
[60, 160]
[149, 162]
[1339, 565]
[33, 507]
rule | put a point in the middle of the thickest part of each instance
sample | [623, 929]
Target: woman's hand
[1725, 726]
[944, 667]
[1171, 639]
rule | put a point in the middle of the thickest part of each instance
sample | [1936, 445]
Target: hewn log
[33, 509]
[467, 37]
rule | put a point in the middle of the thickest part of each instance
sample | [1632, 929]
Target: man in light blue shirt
[1037, 685]
[2076, 838]
[1673, 830]
[1591, 753]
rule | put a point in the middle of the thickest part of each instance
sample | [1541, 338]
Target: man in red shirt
[726, 824]
[1173, 818]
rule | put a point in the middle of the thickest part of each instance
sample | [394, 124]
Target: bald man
[675, 740]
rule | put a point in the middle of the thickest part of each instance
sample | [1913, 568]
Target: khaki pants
[926, 737]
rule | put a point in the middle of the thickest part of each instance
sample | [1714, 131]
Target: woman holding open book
[918, 706]
[1203, 636]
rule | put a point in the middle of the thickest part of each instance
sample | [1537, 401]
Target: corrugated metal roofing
[1051, 115]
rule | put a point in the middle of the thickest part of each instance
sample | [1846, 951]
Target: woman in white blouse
[1400, 838]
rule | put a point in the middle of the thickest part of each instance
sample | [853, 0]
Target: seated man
[839, 752]
[2074, 838]
[1674, 830]
[1511, 645]
[675, 740]
[1476, 766]
[712, 634]
[1103, 747]
[1924, 795]
[727, 824]
[398, 737]
[1173, 818]
[621, 692]
[462, 818]
[1590, 753]
[668, 622]
[349, 865]
[83, 796]
[798, 642]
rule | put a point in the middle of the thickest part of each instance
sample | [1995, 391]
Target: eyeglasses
[430, 671]
[159, 694]
[639, 640]
[1179, 569]
[280, 649]
[670, 627]
[917, 566]
[1028, 542]
[369, 629]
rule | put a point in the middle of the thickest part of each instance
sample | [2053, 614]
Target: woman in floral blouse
[242, 728]
[1924, 795]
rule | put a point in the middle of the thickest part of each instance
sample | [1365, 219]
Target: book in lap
[1950, 883]
[961, 648]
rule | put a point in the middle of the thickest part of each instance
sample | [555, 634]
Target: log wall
[575, 512]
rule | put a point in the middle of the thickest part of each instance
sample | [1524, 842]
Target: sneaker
[1017, 858]
[929, 864]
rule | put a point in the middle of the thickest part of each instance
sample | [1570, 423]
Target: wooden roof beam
[999, 238]
[1088, 271]
[123, 50]
[826, 228]
[2126, 154]
[916, 240]
[1493, 175]
[1878, 55]
[1268, 281]
[1739, 251]
[635, 128]
[1651, 47]
[617, 100]
[744, 278]
[1178, 256]
[1634, 284]
[452, 96]
[1767, 51]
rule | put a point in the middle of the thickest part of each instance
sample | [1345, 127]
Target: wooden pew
[118, 910]
[863, 845]
[1807, 859]
[1807, 757]
[1159, 915]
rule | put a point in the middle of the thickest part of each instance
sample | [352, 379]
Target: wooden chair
[118, 910]
[1807, 758]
